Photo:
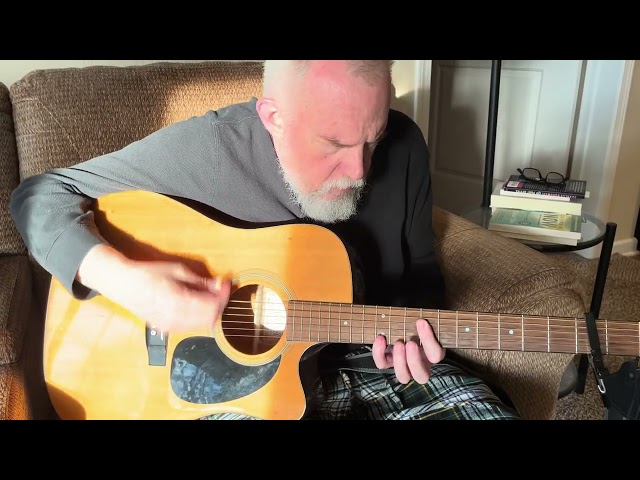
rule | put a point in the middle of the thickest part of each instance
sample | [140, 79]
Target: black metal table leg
[492, 127]
[596, 296]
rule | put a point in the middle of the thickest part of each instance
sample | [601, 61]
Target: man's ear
[270, 116]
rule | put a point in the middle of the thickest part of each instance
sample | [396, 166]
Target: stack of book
[538, 212]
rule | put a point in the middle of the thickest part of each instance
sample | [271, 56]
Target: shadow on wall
[403, 103]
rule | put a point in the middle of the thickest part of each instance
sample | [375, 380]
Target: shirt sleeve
[52, 210]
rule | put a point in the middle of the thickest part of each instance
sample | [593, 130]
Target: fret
[499, 333]
[340, 323]
[293, 329]
[389, 321]
[477, 329]
[522, 333]
[310, 320]
[363, 326]
[351, 326]
[548, 335]
[329, 326]
[376, 323]
[457, 326]
[319, 320]
[404, 324]
[575, 320]
[606, 335]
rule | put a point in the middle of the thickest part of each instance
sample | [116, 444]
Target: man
[320, 145]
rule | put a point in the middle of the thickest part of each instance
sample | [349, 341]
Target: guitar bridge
[156, 346]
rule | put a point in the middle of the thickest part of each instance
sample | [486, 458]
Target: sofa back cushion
[10, 241]
[66, 116]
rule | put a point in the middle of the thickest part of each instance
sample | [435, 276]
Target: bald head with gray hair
[278, 72]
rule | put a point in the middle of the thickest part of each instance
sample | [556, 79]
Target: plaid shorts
[450, 394]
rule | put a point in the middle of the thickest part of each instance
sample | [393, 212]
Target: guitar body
[98, 359]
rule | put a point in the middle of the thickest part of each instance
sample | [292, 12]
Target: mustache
[344, 182]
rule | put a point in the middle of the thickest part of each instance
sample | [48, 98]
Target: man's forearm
[103, 269]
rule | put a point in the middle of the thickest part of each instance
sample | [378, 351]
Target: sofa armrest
[15, 307]
[486, 272]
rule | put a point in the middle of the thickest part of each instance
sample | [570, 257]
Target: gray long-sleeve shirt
[225, 159]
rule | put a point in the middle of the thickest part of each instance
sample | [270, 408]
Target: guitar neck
[348, 323]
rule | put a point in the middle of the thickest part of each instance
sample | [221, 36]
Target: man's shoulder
[403, 147]
[401, 122]
[235, 112]
[403, 135]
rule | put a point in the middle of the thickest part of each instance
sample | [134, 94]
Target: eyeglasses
[534, 175]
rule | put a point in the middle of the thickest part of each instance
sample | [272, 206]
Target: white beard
[314, 206]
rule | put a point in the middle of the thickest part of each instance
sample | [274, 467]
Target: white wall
[599, 140]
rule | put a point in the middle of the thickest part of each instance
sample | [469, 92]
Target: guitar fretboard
[348, 323]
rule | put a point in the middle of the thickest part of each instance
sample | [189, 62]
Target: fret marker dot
[510, 332]
[346, 323]
[383, 315]
[467, 329]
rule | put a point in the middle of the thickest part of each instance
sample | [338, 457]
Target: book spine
[575, 188]
[537, 194]
[536, 223]
[541, 239]
[544, 194]
[539, 204]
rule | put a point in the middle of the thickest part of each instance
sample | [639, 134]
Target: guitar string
[517, 318]
[505, 321]
[514, 323]
[614, 348]
[533, 340]
[473, 337]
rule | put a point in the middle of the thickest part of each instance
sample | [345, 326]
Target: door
[535, 127]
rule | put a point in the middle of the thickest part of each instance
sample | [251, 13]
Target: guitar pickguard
[201, 373]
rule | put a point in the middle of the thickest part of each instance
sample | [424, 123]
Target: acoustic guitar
[292, 289]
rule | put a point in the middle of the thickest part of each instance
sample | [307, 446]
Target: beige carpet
[621, 301]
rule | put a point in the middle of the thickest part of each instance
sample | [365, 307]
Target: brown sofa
[54, 118]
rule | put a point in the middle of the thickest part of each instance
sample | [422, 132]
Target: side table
[594, 232]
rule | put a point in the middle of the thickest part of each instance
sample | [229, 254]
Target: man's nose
[354, 165]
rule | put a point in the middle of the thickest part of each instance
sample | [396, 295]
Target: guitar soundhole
[254, 319]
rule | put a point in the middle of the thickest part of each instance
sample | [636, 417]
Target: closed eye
[370, 145]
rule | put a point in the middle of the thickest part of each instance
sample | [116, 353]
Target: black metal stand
[596, 296]
[492, 127]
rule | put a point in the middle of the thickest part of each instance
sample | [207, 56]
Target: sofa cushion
[15, 305]
[65, 116]
[10, 241]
